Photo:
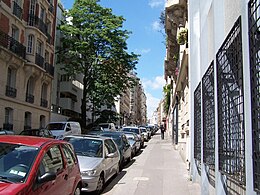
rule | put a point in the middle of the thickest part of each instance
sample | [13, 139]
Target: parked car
[38, 166]
[134, 141]
[135, 130]
[144, 133]
[62, 129]
[6, 132]
[38, 133]
[98, 159]
[122, 144]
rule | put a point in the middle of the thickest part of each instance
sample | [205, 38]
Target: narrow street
[157, 170]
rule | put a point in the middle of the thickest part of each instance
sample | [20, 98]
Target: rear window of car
[56, 126]
[135, 130]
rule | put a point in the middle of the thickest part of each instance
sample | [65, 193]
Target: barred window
[197, 123]
[254, 42]
[231, 130]
[208, 107]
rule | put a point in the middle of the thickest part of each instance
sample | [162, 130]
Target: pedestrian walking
[162, 131]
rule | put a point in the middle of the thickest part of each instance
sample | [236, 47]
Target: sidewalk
[158, 170]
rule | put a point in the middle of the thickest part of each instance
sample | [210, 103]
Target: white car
[144, 133]
[98, 160]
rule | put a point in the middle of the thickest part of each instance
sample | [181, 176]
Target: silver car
[98, 160]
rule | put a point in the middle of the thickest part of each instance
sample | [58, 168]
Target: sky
[142, 19]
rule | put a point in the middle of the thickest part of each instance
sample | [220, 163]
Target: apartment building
[27, 35]
[224, 95]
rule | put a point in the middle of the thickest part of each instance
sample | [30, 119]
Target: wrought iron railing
[44, 103]
[231, 129]
[37, 22]
[8, 126]
[197, 123]
[11, 44]
[208, 107]
[49, 68]
[17, 10]
[10, 91]
[254, 46]
[39, 60]
[29, 98]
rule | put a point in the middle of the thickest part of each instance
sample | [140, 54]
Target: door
[112, 163]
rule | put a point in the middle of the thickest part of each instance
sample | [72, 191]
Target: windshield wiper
[5, 179]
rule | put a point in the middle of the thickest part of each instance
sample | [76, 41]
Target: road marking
[141, 179]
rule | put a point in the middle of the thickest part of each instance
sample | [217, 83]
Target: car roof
[132, 127]
[88, 136]
[27, 140]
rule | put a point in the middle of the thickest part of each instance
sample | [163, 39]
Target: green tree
[167, 97]
[94, 45]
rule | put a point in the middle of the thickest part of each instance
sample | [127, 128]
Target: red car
[35, 165]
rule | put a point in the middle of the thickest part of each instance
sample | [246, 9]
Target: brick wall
[4, 23]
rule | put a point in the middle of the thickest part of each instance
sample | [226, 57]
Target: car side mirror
[111, 155]
[49, 176]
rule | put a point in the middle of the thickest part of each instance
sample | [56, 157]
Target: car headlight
[89, 172]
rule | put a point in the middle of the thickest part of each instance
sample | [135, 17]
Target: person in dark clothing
[162, 131]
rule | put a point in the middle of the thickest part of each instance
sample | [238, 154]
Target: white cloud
[156, 26]
[156, 3]
[154, 84]
[152, 104]
[145, 50]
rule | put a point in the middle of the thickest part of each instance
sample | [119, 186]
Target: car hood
[88, 163]
[10, 188]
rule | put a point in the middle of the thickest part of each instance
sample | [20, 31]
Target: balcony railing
[38, 23]
[29, 98]
[39, 60]
[11, 44]
[7, 126]
[44, 103]
[10, 91]
[49, 68]
[49, 40]
[17, 10]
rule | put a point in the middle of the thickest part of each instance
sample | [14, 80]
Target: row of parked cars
[75, 163]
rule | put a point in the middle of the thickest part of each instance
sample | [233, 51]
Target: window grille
[254, 43]
[208, 107]
[197, 123]
[231, 130]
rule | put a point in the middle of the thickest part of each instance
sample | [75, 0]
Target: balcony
[44, 103]
[49, 68]
[29, 98]
[39, 60]
[38, 23]
[11, 44]
[10, 91]
[49, 39]
[17, 10]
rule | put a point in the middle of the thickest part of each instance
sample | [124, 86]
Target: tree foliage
[167, 97]
[94, 45]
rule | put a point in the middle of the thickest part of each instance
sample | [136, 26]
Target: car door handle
[66, 176]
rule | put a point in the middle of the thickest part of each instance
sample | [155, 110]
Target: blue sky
[142, 19]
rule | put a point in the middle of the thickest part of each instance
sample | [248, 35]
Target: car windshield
[86, 146]
[105, 126]
[130, 136]
[15, 162]
[56, 126]
[135, 130]
[143, 130]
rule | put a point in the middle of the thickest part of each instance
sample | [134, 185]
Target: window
[110, 147]
[42, 14]
[39, 48]
[11, 77]
[29, 90]
[30, 42]
[42, 121]
[8, 124]
[71, 159]
[15, 33]
[47, 56]
[27, 120]
[51, 162]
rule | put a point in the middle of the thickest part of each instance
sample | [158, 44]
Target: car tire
[100, 184]
[77, 190]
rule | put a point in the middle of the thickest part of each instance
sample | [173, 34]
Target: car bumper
[89, 183]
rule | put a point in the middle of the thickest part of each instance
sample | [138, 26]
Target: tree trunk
[84, 101]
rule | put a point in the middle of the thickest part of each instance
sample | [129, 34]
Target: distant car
[98, 159]
[108, 126]
[38, 166]
[123, 145]
[135, 130]
[6, 132]
[144, 133]
[38, 133]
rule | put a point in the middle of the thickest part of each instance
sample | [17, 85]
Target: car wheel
[100, 184]
[77, 191]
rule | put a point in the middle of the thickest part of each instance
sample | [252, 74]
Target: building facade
[27, 36]
[224, 95]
